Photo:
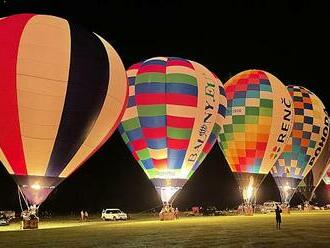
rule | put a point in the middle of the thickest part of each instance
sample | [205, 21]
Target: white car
[113, 214]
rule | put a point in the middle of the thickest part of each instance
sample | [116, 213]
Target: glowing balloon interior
[174, 114]
[307, 139]
[63, 91]
[257, 125]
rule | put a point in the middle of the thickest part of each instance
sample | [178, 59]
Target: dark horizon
[287, 39]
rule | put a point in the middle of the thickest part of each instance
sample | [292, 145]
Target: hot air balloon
[63, 91]
[314, 177]
[257, 125]
[326, 179]
[175, 111]
[307, 139]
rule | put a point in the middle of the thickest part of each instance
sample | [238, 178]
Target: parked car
[9, 214]
[211, 211]
[113, 214]
[4, 221]
[195, 211]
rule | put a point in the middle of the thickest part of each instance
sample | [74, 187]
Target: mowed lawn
[298, 230]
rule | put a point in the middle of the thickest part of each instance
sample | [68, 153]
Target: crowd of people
[168, 212]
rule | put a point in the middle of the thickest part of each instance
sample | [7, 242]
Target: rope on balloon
[174, 197]
[19, 192]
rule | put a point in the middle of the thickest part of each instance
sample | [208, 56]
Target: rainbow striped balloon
[63, 91]
[175, 111]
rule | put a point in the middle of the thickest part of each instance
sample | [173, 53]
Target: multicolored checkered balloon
[306, 142]
[311, 181]
[257, 125]
[175, 111]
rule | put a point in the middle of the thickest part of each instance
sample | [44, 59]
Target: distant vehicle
[212, 211]
[269, 206]
[6, 217]
[113, 214]
[4, 221]
[195, 211]
[9, 214]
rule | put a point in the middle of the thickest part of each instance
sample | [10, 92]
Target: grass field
[299, 230]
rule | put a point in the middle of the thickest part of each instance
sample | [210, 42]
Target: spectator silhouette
[278, 212]
[82, 215]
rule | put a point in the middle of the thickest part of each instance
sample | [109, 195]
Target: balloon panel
[63, 91]
[258, 121]
[307, 132]
[175, 111]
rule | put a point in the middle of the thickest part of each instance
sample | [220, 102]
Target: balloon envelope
[63, 91]
[311, 181]
[307, 139]
[174, 114]
[257, 124]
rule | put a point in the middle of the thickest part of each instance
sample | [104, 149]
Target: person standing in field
[86, 215]
[278, 217]
[176, 213]
[82, 214]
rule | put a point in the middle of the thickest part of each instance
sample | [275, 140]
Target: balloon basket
[167, 216]
[30, 224]
[308, 208]
[248, 211]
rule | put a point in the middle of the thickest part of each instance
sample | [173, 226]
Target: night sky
[290, 40]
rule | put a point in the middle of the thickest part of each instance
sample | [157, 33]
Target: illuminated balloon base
[306, 187]
[168, 188]
[167, 192]
[36, 189]
[248, 185]
[287, 187]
